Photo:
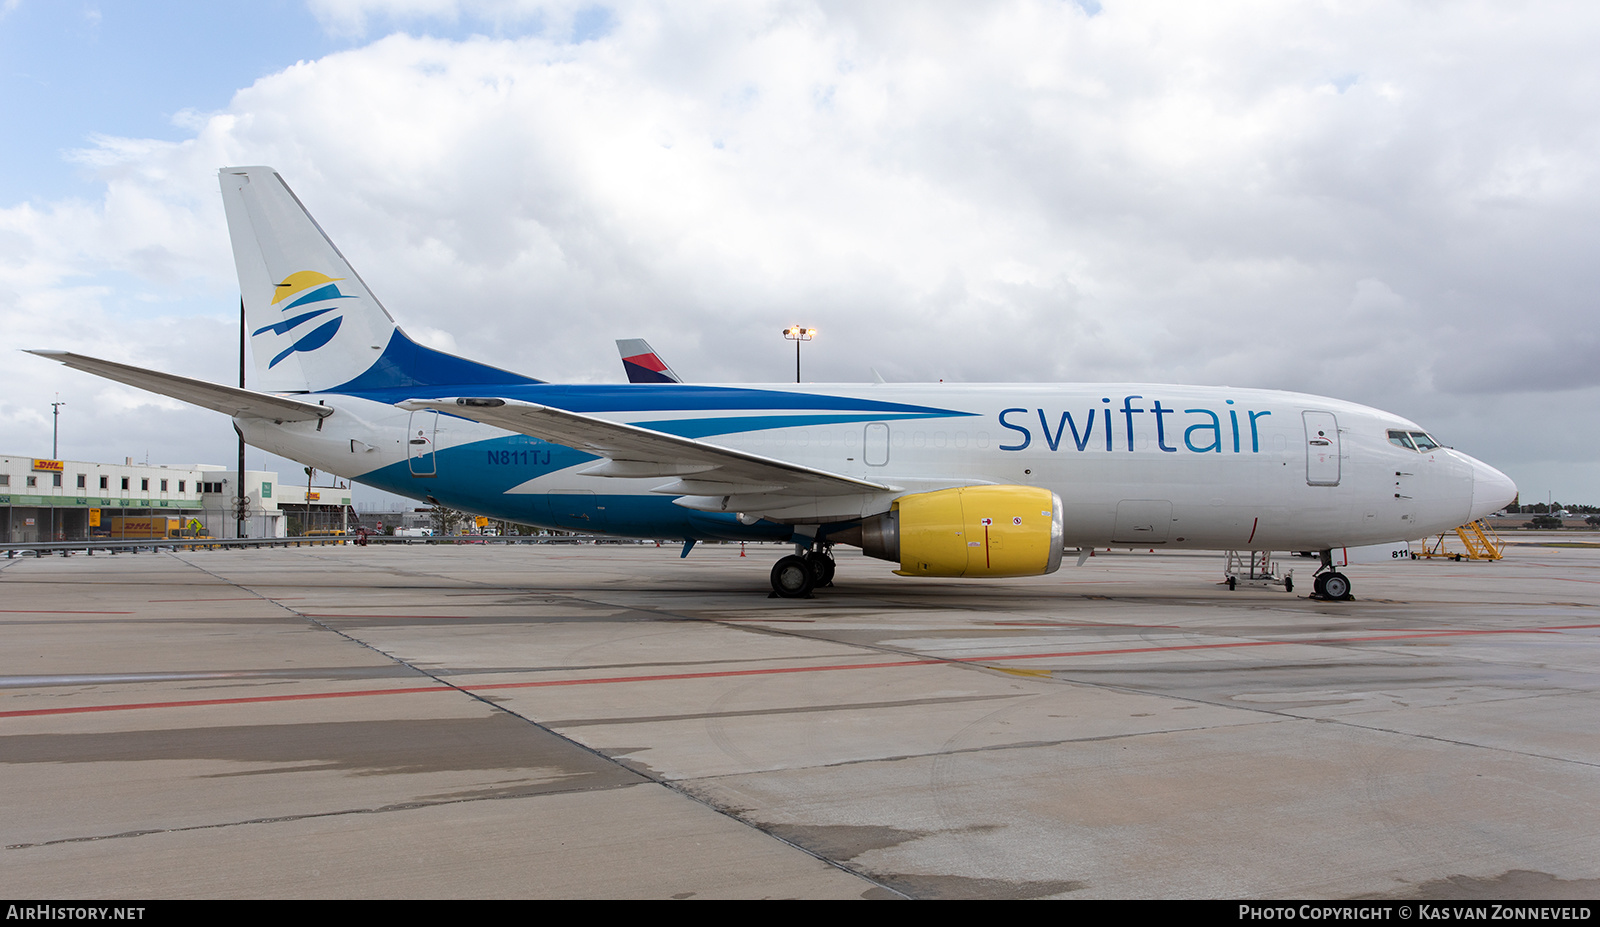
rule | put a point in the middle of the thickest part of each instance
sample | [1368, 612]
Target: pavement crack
[647, 774]
[308, 816]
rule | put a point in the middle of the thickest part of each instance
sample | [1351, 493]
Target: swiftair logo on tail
[309, 290]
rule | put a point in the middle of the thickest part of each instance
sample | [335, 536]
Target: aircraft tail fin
[643, 364]
[313, 323]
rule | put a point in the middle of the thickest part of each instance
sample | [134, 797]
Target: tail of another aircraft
[314, 326]
[642, 364]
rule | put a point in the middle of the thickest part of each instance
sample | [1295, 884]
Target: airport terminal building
[43, 500]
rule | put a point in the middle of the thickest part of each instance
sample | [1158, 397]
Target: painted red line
[1103, 582]
[1099, 653]
[772, 671]
[45, 611]
[1081, 624]
[1442, 633]
[349, 615]
[220, 701]
[1549, 630]
[1253, 525]
[1314, 640]
[354, 615]
[247, 700]
[244, 598]
[666, 676]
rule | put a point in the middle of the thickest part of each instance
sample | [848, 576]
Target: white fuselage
[1139, 465]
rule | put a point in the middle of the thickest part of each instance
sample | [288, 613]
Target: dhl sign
[51, 466]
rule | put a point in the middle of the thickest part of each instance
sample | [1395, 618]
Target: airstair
[1255, 568]
[1478, 540]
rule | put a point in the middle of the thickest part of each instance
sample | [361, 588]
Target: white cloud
[1351, 199]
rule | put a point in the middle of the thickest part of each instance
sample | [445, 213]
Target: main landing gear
[796, 575]
[1329, 583]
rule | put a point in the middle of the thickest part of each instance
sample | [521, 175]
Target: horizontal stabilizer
[229, 400]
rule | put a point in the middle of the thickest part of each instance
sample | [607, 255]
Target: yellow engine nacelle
[969, 531]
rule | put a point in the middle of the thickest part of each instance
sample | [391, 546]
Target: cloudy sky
[1387, 203]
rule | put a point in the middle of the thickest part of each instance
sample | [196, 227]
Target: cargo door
[577, 510]
[1142, 521]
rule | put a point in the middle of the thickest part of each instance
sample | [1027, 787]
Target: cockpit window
[1413, 440]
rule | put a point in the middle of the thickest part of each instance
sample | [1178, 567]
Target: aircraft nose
[1491, 489]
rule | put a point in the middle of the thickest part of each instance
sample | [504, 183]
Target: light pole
[797, 334]
[55, 428]
[242, 506]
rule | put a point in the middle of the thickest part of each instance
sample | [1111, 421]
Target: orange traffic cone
[741, 548]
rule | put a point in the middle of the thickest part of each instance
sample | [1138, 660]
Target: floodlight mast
[798, 334]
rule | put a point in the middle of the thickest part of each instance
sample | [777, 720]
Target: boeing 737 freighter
[981, 480]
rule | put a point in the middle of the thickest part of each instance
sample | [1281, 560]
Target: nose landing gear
[1332, 586]
[1329, 583]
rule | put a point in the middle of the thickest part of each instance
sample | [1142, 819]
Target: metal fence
[21, 524]
[67, 548]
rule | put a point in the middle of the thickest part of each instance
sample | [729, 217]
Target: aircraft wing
[229, 400]
[702, 469]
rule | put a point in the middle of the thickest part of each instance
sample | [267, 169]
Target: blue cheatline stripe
[625, 397]
[407, 370]
[280, 328]
[736, 424]
[317, 295]
[311, 342]
[467, 480]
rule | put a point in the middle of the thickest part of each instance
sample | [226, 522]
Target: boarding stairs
[1478, 539]
[1255, 568]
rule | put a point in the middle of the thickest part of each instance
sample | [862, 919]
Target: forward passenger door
[1322, 448]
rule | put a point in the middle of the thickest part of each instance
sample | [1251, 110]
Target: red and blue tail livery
[642, 364]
